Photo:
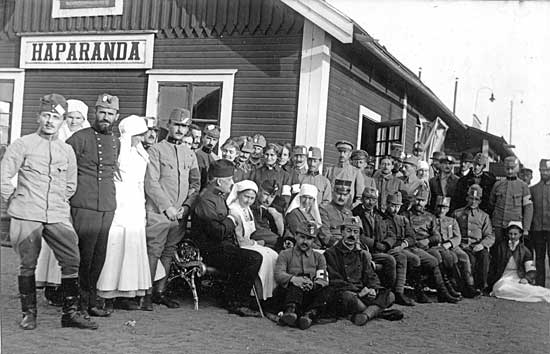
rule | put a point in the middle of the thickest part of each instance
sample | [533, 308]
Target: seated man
[333, 215]
[214, 230]
[478, 236]
[302, 275]
[269, 222]
[357, 289]
[380, 240]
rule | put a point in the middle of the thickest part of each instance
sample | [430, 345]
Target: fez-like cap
[395, 198]
[221, 169]
[411, 160]
[151, 123]
[54, 103]
[421, 193]
[516, 224]
[180, 116]
[212, 131]
[466, 157]
[418, 146]
[437, 155]
[314, 153]
[107, 101]
[344, 144]
[247, 147]
[299, 150]
[259, 140]
[447, 159]
[481, 159]
[475, 190]
[510, 161]
[359, 155]
[352, 221]
[443, 201]
[270, 186]
[307, 229]
[370, 192]
[342, 186]
[544, 164]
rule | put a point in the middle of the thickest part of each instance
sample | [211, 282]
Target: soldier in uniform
[345, 171]
[357, 289]
[411, 183]
[94, 203]
[214, 230]
[151, 135]
[477, 236]
[434, 167]
[380, 240]
[206, 155]
[38, 207]
[359, 160]
[301, 274]
[397, 155]
[268, 220]
[172, 182]
[333, 215]
[242, 164]
[196, 132]
[444, 184]
[313, 177]
[259, 143]
[526, 175]
[299, 161]
[478, 176]
[466, 164]
[540, 237]
[510, 200]
[371, 166]
[386, 182]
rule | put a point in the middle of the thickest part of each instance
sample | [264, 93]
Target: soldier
[386, 182]
[371, 166]
[206, 155]
[510, 200]
[268, 220]
[172, 181]
[345, 171]
[242, 164]
[38, 207]
[444, 184]
[301, 273]
[396, 153]
[214, 230]
[313, 177]
[196, 133]
[411, 183]
[299, 161]
[477, 235]
[380, 240]
[540, 238]
[526, 175]
[478, 176]
[358, 291]
[259, 143]
[359, 160]
[333, 215]
[418, 150]
[434, 167]
[466, 164]
[151, 135]
[94, 203]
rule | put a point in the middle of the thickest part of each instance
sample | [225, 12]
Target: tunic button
[100, 171]
[99, 145]
[100, 152]
[100, 158]
[99, 179]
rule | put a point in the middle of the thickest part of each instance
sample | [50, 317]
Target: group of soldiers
[356, 238]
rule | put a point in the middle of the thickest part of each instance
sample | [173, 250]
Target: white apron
[508, 287]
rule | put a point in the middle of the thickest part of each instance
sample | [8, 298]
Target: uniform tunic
[440, 186]
[540, 228]
[387, 185]
[332, 217]
[347, 172]
[412, 183]
[276, 173]
[510, 200]
[204, 159]
[485, 180]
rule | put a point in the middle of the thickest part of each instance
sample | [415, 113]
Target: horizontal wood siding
[129, 85]
[9, 54]
[266, 83]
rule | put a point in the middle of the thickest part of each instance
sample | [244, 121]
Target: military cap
[299, 150]
[396, 151]
[443, 201]
[516, 224]
[151, 123]
[270, 186]
[481, 159]
[221, 169]
[466, 157]
[54, 103]
[359, 155]
[411, 160]
[371, 160]
[421, 193]
[437, 155]
[370, 192]
[107, 101]
[342, 186]
[526, 170]
[314, 153]
[247, 147]
[544, 164]
[352, 221]
[344, 144]
[395, 198]
[418, 146]
[259, 140]
[274, 147]
[447, 159]
[475, 190]
[212, 130]
[307, 229]
[510, 161]
[180, 116]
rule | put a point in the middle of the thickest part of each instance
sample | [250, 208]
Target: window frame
[18, 77]
[58, 12]
[397, 123]
[225, 76]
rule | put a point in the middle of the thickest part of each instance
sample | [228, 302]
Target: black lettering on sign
[84, 47]
[96, 55]
[121, 50]
[59, 48]
[109, 50]
[134, 51]
[36, 51]
[72, 52]
[48, 52]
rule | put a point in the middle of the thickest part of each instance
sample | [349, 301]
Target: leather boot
[27, 293]
[307, 319]
[53, 295]
[442, 292]
[289, 316]
[403, 300]
[161, 299]
[71, 317]
[416, 282]
[449, 286]
[360, 319]
[146, 303]
[469, 291]
[94, 309]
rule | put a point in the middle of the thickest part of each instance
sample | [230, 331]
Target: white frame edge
[57, 12]
[18, 77]
[369, 114]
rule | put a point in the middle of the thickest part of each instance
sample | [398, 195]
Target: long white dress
[508, 287]
[126, 270]
[269, 256]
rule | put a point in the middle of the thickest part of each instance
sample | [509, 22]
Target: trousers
[480, 266]
[315, 299]
[541, 242]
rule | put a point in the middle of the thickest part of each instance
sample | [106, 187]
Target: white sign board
[103, 51]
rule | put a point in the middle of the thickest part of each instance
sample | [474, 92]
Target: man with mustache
[206, 155]
[172, 182]
[259, 143]
[94, 203]
[38, 207]
[269, 222]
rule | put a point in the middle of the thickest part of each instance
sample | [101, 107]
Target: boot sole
[304, 322]
[289, 319]
[75, 325]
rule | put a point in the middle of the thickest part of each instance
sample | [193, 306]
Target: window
[208, 94]
[11, 104]
[386, 135]
[77, 8]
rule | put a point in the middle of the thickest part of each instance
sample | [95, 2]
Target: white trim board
[18, 76]
[365, 112]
